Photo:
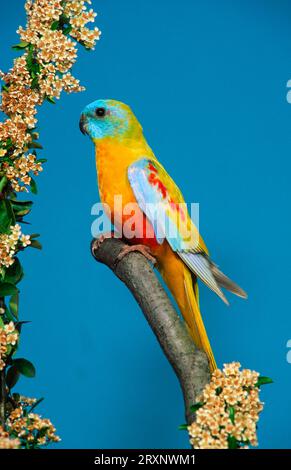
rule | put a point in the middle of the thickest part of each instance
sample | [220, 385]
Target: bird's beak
[82, 124]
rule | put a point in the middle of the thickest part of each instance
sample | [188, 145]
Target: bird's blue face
[108, 118]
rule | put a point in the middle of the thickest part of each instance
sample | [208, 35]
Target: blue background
[207, 80]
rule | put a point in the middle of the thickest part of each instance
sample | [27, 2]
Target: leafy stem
[3, 183]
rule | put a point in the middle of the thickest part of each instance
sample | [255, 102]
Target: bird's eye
[100, 112]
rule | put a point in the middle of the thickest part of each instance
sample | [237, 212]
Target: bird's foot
[143, 249]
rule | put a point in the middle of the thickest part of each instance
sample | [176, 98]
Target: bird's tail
[201, 265]
[192, 315]
[183, 285]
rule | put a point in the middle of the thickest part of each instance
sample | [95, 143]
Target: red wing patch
[154, 180]
[151, 167]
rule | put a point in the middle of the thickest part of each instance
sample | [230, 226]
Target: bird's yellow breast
[112, 161]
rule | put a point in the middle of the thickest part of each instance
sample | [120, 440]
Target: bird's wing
[163, 204]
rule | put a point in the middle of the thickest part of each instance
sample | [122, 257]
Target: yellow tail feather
[192, 316]
[179, 279]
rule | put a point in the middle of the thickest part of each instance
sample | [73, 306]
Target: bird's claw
[144, 250]
[97, 242]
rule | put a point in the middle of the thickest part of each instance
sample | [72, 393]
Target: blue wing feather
[154, 202]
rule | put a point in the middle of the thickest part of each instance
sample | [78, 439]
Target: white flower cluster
[49, 42]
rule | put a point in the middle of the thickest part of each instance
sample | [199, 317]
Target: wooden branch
[189, 363]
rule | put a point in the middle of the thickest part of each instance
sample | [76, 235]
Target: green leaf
[33, 186]
[16, 203]
[183, 427]
[67, 30]
[16, 397]
[262, 380]
[29, 61]
[231, 412]
[32, 65]
[55, 25]
[14, 273]
[14, 304]
[21, 208]
[34, 235]
[9, 143]
[34, 85]
[22, 213]
[12, 376]
[232, 442]
[7, 217]
[9, 348]
[50, 100]
[1, 323]
[3, 180]
[20, 45]
[34, 68]
[194, 408]
[24, 367]
[35, 145]
[41, 160]
[7, 289]
[35, 244]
